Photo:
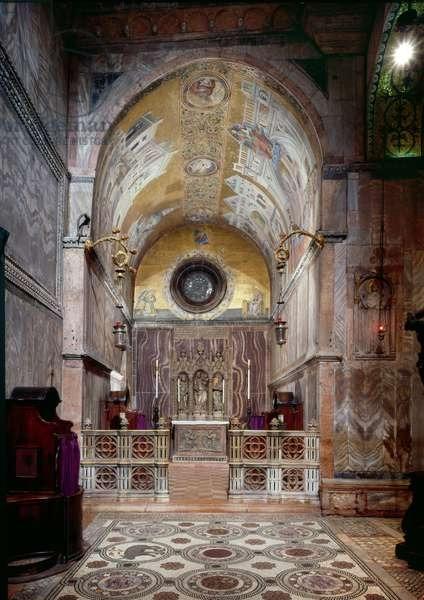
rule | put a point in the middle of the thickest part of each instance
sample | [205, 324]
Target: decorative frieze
[23, 280]
[21, 102]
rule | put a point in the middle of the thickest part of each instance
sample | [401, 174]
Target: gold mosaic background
[240, 259]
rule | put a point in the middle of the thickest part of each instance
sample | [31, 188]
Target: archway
[205, 171]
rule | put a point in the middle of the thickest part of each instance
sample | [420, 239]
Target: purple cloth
[257, 422]
[68, 463]
[142, 422]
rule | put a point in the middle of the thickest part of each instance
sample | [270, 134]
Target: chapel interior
[212, 296]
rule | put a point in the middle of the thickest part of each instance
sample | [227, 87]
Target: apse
[213, 142]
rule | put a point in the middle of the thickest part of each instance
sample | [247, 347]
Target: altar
[199, 440]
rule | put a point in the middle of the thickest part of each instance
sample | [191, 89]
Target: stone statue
[201, 357]
[201, 391]
[182, 392]
[217, 393]
[218, 362]
[182, 361]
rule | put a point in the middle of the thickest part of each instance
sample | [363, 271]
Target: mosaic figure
[146, 302]
[207, 91]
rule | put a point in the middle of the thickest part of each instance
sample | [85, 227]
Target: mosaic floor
[236, 557]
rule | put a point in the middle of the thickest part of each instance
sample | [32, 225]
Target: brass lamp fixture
[121, 258]
[280, 328]
[280, 325]
[120, 335]
[282, 253]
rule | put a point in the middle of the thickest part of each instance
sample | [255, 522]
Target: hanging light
[120, 335]
[280, 328]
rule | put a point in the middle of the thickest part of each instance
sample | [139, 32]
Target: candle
[223, 392]
[178, 390]
[248, 379]
[157, 379]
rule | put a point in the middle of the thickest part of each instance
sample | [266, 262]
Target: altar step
[198, 481]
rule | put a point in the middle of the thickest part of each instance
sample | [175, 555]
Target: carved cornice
[24, 281]
[333, 237]
[82, 179]
[74, 242]
[338, 171]
[22, 104]
[297, 370]
[89, 356]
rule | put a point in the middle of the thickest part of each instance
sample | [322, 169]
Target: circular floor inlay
[217, 532]
[213, 554]
[139, 552]
[321, 583]
[300, 552]
[149, 530]
[231, 584]
[288, 532]
[118, 583]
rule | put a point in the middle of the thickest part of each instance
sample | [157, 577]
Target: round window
[198, 285]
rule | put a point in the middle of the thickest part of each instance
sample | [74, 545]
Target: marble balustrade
[125, 462]
[274, 463]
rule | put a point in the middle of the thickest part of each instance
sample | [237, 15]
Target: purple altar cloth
[68, 462]
[142, 422]
[257, 422]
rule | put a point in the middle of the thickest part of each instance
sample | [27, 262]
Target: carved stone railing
[125, 462]
[282, 464]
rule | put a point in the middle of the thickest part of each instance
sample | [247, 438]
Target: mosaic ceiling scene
[213, 143]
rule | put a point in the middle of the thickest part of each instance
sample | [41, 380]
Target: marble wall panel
[29, 201]
[33, 343]
[302, 316]
[96, 388]
[372, 419]
[377, 423]
[248, 344]
[150, 345]
[100, 315]
[30, 38]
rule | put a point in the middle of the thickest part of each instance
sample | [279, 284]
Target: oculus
[198, 285]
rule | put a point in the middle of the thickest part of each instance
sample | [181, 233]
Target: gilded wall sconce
[282, 252]
[121, 257]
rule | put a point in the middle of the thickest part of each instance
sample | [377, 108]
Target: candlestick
[248, 379]
[157, 379]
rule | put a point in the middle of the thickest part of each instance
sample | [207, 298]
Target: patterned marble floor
[234, 557]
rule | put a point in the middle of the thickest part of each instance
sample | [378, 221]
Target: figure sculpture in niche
[218, 362]
[183, 361]
[201, 357]
[201, 391]
[217, 392]
[182, 392]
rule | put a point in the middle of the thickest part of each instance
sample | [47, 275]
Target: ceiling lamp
[404, 53]
[409, 24]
